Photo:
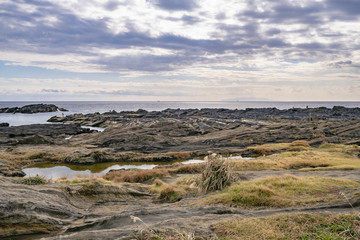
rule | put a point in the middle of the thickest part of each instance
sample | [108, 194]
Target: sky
[180, 50]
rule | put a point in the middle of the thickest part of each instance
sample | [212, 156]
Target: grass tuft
[37, 180]
[217, 174]
[183, 187]
[169, 195]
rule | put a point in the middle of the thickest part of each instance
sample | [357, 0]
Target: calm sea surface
[91, 107]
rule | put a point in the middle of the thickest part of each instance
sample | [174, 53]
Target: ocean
[104, 106]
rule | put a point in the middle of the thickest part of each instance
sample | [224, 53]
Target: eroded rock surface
[193, 129]
[37, 133]
[26, 212]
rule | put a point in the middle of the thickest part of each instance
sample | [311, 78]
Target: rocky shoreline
[87, 209]
[187, 130]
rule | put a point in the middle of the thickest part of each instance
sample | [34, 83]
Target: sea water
[105, 106]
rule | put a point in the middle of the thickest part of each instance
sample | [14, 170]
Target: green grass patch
[281, 191]
[297, 226]
[37, 180]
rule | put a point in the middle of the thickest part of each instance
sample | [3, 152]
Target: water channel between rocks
[56, 171]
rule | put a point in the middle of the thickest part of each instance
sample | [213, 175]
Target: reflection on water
[239, 157]
[99, 129]
[56, 171]
[192, 161]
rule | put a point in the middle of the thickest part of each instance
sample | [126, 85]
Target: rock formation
[33, 108]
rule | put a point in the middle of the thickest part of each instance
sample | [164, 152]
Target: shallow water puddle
[56, 171]
[99, 129]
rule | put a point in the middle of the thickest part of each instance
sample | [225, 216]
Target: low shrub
[169, 195]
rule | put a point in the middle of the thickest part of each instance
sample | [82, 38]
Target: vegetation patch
[183, 187]
[326, 157]
[187, 169]
[136, 176]
[37, 180]
[271, 148]
[79, 179]
[179, 155]
[282, 191]
[297, 226]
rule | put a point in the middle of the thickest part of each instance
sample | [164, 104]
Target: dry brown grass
[24, 155]
[179, 155]
[136, 175]
[217, 174]
[267, 149]
[187, 168]
[297, 226]
[80, 179]
[187, 186]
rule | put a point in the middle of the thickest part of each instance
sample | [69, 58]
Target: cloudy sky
[194, 50]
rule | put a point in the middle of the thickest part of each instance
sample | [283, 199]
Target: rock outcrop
[33, 108]
[42, 129]
[54, 208]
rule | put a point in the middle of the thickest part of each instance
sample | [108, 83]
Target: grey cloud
[187, 19]
[221, 16]
[347, 6]
[176, 5]
[311, 46]
[52, 91]
[112, 5]
[341, 64]
[190, 20]
[272, 32]
[283, 12]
